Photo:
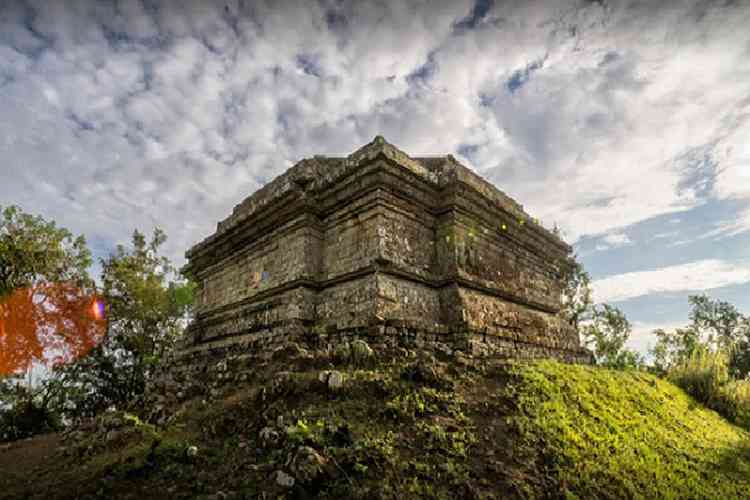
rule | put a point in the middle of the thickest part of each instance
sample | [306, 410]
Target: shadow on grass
[735, 460]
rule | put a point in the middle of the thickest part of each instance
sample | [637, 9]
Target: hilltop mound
[408, 426]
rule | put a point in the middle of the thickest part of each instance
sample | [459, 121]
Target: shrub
[702, 374]
[25, 419]
[705, 376]
[734, 402]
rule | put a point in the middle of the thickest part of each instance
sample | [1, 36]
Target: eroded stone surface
[377, 246]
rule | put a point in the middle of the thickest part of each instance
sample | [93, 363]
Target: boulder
[268, 436]
[342, 351]
[283, 479]
[323, 376]
[360, 351]
[307, 464]
[335, 380]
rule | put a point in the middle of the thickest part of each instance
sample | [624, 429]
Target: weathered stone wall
[410, 302]
[489, 257]
[350, 241]
[253, 316]
[383, 246]
[284, 255]
[496, 317]
[407, 240]
[347, 304]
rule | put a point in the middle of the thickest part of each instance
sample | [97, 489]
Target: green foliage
[303, 432]
[418, 403]
[27, 415]
[544, 430]
[674, 347]
[606, 334]
[715, 325]
[33, 250]
[437, 438]
[44, 285]
[720, 321]
[705, 376]
[702, 374]
[603, 327]
[146, 310]
[376, 449]
[576, 292]
[407, 406]
[30, 409]
[625, 434]
[734, 402]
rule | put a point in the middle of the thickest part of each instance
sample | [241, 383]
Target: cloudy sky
[626, 123]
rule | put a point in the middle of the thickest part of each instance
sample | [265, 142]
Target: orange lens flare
[49, 324]
[97, 309]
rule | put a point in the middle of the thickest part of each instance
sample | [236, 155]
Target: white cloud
[700, 275]
[642, 337]
[617, 239]
[157, 115]
[738, 225]
[613, 240]
[665, 234]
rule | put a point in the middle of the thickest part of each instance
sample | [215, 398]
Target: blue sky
[625, 123]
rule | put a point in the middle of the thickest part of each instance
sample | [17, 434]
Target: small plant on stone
[406, 407]
[303, 432]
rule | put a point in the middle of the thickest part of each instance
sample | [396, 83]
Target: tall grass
[705, 376]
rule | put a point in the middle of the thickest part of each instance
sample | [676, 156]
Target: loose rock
[307, 464]
[335, 380]
[342, 351]
[284, 479]
[268, 436]
[360, 351]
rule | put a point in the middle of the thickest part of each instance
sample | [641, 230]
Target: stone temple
[384, 247]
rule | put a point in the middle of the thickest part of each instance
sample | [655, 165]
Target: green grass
[626, 434]
[430, 430]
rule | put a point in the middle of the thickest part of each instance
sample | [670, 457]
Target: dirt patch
[23, 462]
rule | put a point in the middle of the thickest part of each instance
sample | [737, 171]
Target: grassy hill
[403, 427]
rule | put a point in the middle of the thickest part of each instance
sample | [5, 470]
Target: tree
[606, 334]
[46, 316]
[739, 364]
[722, 324]
[674, 347]
[146, 306]
[715, 326]
[576, 292]
[46, 295]
[603, 328]
[33, 250]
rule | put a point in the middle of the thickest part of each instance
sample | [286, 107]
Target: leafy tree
[33, 250]
[45, 293]
[46, 317]
[715, 326]
[576, 292]
[606, 334]
[674, 347]
[146, 307]
[30, 409]
[740, 354]
[603, 328]
[720, 320]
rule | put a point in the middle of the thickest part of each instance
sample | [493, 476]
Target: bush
[705, 376]
[25, 419]
[734, 402]
[702, 374]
